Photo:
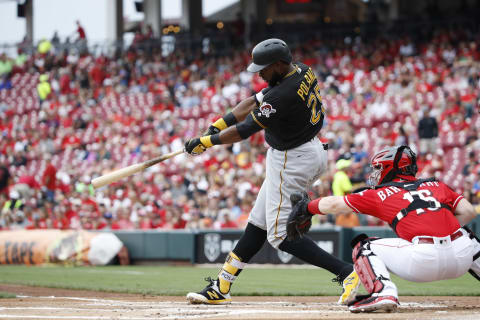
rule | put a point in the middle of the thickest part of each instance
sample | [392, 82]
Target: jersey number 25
[314, 102]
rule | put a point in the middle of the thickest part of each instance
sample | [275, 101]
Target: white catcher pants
[287, 171]
[422, 262]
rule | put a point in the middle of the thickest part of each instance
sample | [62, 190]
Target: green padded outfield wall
[212, 246]
[157, 245]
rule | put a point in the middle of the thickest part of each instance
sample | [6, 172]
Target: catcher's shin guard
[372, 271]
[475, 268]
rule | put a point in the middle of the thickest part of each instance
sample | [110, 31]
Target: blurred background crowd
[68, 115]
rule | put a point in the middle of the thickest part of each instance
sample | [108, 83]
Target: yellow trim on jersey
[295, 67]
[281, 197]
[258, 122]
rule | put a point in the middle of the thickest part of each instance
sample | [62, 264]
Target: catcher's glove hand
[300, 219]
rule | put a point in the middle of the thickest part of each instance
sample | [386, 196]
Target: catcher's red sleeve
[313, 206]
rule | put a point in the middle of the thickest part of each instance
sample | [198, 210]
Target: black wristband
[248, 127]
[215, 139]
[230, 119]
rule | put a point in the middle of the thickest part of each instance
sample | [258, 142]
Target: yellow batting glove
[221, 124]
[198, 146]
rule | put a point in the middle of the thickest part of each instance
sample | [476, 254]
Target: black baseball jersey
[291, 112]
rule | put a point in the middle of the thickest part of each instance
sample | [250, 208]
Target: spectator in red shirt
[86, 221]
[177, 221]
[123, 220]
[105, 221]
[81, 40]
[156, 222]
[227, 223]
[39, 219]
[144, 220]
[64, 81]
[49, 179]
[81, 32]
[26, 186]
[59, 219]
[70, 140]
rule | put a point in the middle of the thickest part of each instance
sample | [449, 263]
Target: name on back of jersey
[305, 85]
[390, 191]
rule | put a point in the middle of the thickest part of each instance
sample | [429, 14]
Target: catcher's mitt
[300, 220]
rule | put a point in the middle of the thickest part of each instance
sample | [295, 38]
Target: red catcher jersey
[386, 202]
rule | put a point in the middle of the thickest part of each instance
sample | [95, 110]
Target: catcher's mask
[392, 162]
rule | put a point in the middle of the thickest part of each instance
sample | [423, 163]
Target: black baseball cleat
[370, 304]
[210, 295]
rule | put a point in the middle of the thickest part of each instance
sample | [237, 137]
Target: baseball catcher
[427, 215]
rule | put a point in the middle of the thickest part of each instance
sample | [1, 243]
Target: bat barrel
[117, 175]
[100, 182]
[128, 171]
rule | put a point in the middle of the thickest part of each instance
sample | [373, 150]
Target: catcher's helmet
[392, 162]
[267, 52]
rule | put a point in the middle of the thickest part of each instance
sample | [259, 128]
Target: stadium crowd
[66, 118]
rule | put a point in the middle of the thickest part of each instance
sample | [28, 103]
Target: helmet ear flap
[412, 168]
[413, 158]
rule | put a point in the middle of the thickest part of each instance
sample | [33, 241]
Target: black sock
[250, 242]
[308, 251]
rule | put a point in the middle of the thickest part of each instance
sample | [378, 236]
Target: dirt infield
[47, 303]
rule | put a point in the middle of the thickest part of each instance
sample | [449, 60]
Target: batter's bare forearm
[243, 108]
[230, 135]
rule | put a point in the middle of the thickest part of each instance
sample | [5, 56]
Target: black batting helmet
[267, 52]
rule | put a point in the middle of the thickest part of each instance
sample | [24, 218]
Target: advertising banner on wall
[79, 247]
[213, 247]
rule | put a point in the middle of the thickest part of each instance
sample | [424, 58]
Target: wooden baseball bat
[128, 171]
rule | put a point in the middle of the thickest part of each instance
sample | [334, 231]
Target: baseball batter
[291, 112]
[425, 214]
